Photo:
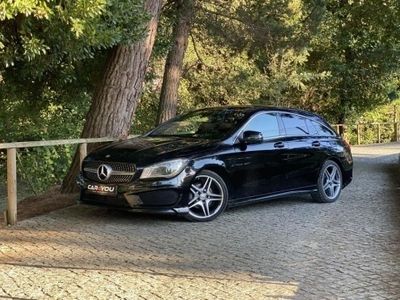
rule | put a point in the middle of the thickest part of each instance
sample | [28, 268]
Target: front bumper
[161, 196]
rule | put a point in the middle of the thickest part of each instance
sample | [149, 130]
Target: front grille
[121, 172]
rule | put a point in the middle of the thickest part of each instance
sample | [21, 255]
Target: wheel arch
[339, 163]
[221, 171]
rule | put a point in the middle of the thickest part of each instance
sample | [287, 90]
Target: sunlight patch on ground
[62, 283]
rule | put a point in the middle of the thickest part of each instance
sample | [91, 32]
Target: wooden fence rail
[359, 127]
[11, 210]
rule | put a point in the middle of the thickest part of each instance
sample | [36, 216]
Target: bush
[43, 167]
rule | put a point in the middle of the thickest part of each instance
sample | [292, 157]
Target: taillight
[347, 152]
[346, 143]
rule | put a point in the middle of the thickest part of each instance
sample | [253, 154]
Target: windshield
[207, 124]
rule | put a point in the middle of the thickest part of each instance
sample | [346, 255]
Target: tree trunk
[117, 96]
[174, 62]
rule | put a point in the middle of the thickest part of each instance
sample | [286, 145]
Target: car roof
[251, 109]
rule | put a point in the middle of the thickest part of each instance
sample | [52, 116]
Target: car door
[323, 141]
[256, 169]
[302, 154]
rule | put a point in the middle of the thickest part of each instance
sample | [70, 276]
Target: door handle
[316, 144]
[279, 145]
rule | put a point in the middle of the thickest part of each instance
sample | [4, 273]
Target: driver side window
[265, 123]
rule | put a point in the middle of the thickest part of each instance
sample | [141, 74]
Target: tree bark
[174, 62]
[117, 96]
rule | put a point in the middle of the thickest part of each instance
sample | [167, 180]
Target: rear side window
[321, 129]
[267, 124]
[312, 127]
[295, 125]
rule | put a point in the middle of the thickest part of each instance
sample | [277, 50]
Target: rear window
[319, 129]
[295, 125]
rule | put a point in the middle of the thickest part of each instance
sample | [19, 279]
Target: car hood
[144, 150]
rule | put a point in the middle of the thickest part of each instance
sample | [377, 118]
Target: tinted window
[322, 130]
[267, 124]
[312, 128]
[208, 124]
[295, 125]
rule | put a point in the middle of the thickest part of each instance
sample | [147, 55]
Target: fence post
[358, 134]
[344, 132]
[379, 133]
[82, 152]
[12, 186]
[396, 131]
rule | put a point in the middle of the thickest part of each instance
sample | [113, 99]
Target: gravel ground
[282, 249]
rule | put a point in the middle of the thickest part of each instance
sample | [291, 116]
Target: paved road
[290, 249]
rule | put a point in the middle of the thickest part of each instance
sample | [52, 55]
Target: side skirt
[240, 202]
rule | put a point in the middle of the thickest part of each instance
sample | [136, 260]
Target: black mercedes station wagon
[200, 163]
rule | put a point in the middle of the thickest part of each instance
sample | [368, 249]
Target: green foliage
[42, 167]
[69, 30]
[51, 56]
[146, 114]
[357, 42]
[275, 37]
[54, 51]
[337, 58]
[215, 77]
[385, 115]
[28, 122]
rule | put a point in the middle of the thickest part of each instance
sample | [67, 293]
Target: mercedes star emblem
[104, 172]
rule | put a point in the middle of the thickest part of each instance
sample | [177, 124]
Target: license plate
[102, 189]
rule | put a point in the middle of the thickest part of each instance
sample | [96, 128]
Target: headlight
[167, 169]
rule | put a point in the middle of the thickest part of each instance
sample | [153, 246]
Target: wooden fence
[361, 127]
[11, 211]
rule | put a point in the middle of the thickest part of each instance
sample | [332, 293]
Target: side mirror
[252, 137]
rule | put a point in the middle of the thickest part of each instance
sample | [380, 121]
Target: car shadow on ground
[284, 202]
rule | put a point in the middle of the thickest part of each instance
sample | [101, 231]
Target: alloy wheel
[207, 197]
[331, 181]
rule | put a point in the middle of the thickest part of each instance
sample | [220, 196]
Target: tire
[208, 197]
[330, 183]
